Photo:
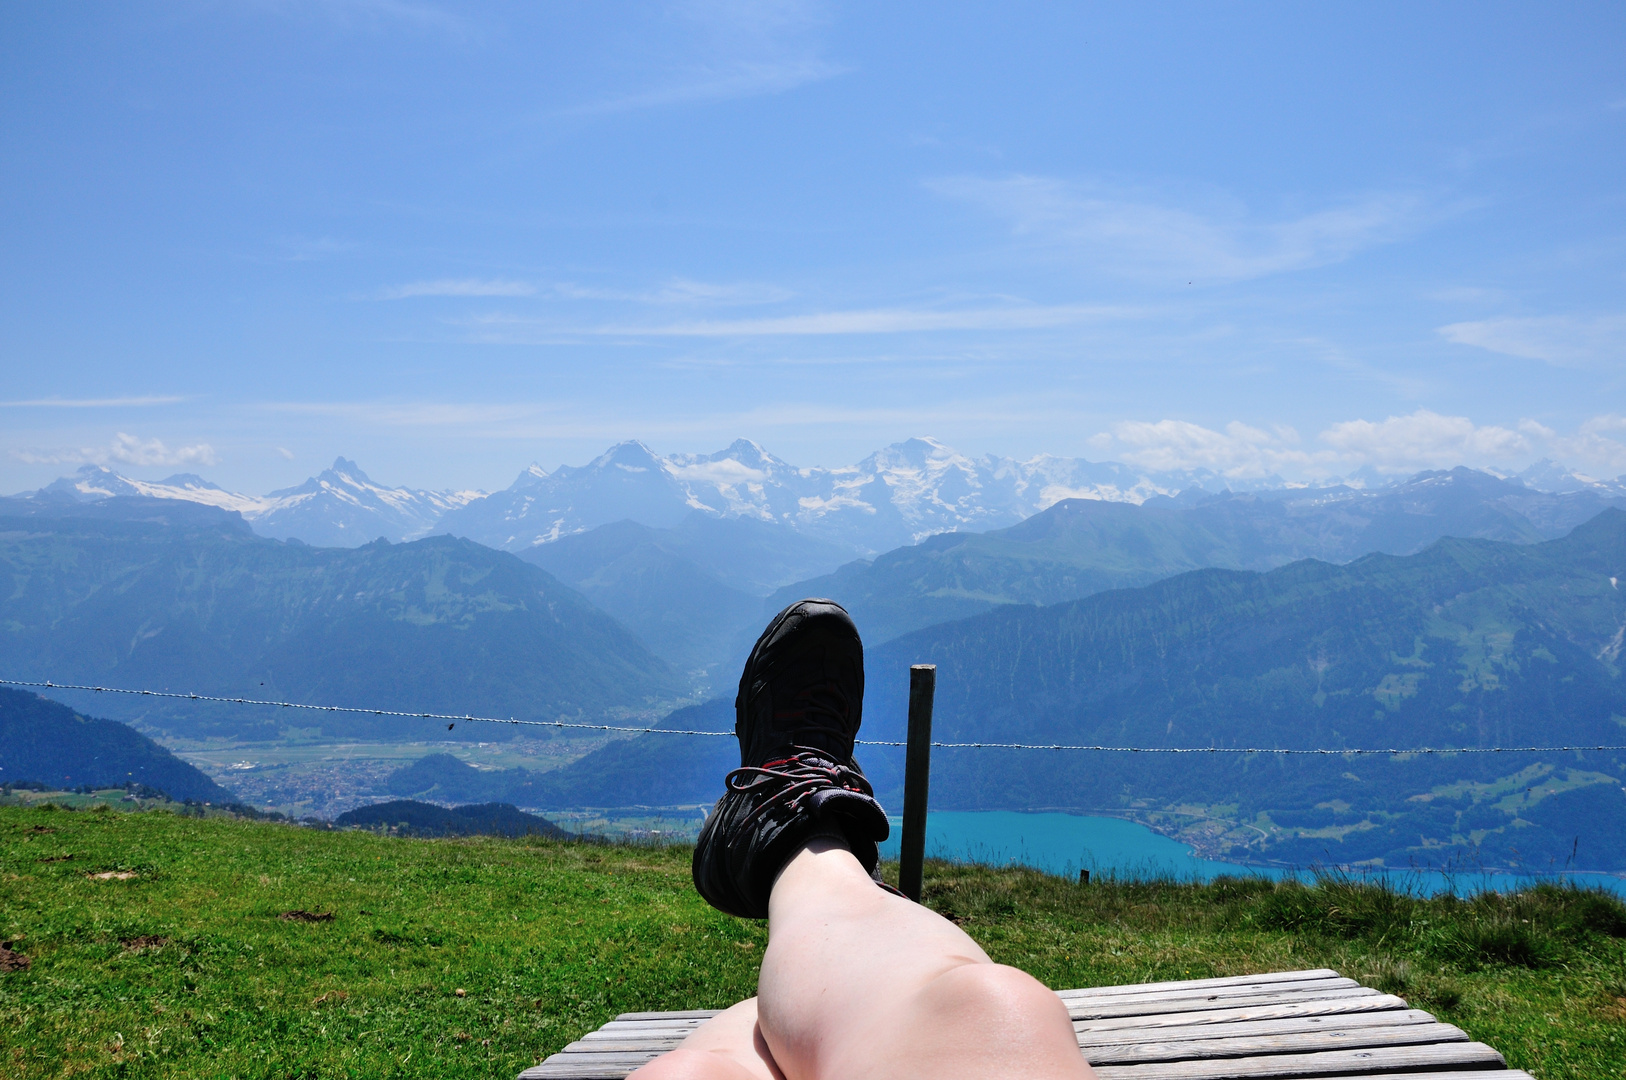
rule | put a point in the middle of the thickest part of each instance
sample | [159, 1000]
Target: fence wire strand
[455, 718]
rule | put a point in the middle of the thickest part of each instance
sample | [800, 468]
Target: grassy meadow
[158, 944]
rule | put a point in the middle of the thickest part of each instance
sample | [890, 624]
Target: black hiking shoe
[797, 714]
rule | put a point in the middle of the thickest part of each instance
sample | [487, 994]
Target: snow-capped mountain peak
[94, 482]
[340, 507]
[897, 495]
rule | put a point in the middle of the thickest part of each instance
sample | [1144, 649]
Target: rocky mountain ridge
[897, 496]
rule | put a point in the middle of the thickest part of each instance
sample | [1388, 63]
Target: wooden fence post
[917, 767]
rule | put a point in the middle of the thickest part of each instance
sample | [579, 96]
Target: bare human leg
[857, 983]
[727, 1047]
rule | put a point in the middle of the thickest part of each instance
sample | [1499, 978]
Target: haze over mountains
[1080, 546]
[1467, 643]
[340, 507]
[1261, 618]
[171, 595]
[895, 496]
[691, 552]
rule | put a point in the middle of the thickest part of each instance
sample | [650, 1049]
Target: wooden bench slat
[1285, 1025]
[1198, 984]
[1476, 1074]
[571, 1069]
[1138, 1033]
[646, 1026]
[1249, 1028]
[1229, 987]
[1226, 993]
[1263, 1010]
[1301, 1042]
[1331, 1063]
[1089, 1010]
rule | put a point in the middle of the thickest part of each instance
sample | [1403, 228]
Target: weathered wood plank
[1199, 984]
[1090, 1010]
[600, 1039]
[1333, 1063]
[1476, 1074]
[631, 1058]
[689, 1014]
[633, 1042]
[1221, 993]
[1303, 1042]
[1303, 1025]
[572, 1070]
[1248, 1029]
[1266, 1010]
[648, 1026]
[561, 1066]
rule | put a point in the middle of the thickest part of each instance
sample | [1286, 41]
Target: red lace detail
[798, 776]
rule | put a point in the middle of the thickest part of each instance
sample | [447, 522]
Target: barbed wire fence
[455, 718]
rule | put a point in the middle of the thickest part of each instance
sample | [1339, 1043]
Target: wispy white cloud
[1593, 445]
[93, 403]
[124, 450]
[1240, 451]
[1563, 340]
[1424, 439]
[503, 329]
[729, 49]
[1398, 444]
[312, 248]
[457, 287]
[706, 84]
[1129, 234]
[680, 291]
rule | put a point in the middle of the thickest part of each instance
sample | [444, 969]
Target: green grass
[185, 969]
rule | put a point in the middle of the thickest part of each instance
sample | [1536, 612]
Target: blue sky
[240, 238]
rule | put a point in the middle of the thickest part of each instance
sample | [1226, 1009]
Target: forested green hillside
[155, 594]
[1470, 643]
[1083, 546]
[47, 742]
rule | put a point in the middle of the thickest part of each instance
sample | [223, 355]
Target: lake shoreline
[1063, 842]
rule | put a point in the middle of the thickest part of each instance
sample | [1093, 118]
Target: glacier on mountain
[340, 507]
[897, 495]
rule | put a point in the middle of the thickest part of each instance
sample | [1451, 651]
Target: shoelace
[801, 774]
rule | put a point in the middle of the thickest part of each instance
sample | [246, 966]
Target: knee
[996, 994]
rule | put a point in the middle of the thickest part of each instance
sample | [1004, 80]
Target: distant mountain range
[1467, 643]
[165, 594]
[341, 507]
[1081, 546]
[692, 553]
[894, 497]
[693, 592]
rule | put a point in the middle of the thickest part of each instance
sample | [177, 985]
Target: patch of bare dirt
[12, 961]
[331, 995]
[113, 875]
[41, 828]
[145, 941]
[57, 858]
[300, 915]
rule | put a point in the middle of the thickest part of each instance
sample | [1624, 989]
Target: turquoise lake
[1066, 843]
